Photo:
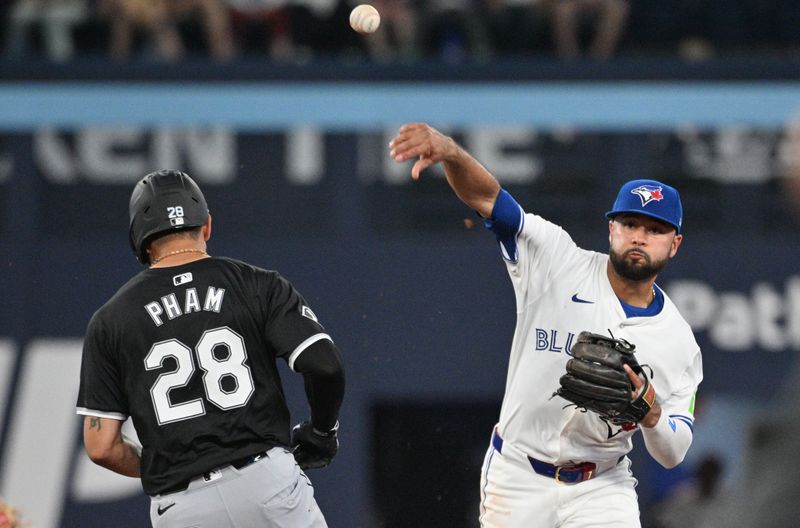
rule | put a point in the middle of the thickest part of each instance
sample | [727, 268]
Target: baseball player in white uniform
[550, 464]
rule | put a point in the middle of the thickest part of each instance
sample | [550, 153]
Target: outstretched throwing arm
[472, 183]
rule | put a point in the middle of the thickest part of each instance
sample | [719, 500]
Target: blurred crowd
[452, 30]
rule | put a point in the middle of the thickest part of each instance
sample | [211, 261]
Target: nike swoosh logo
[162, 510]
[577, 300]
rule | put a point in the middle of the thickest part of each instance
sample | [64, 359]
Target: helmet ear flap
[132, 242]
[161, 202]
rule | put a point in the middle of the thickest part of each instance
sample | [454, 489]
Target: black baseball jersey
[188, 352]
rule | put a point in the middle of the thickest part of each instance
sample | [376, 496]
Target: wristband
[324, 434]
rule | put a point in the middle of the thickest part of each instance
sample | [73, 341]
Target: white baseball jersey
[562, 290]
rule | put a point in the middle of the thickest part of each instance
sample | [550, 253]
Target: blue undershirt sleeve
[506, 223]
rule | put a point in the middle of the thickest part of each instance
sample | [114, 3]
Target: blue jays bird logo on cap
[650, 198]
[648, 193]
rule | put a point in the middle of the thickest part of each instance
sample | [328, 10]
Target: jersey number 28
[215, 370]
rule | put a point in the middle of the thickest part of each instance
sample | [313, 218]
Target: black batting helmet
[163, 201]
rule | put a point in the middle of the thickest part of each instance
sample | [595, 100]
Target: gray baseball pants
[272, 492]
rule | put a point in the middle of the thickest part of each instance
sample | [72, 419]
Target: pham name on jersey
[170, 306]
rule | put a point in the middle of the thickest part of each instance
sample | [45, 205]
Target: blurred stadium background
[282, 114]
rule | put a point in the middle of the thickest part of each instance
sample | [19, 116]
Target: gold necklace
[177, 252]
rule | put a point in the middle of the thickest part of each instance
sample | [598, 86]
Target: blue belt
[569, 474]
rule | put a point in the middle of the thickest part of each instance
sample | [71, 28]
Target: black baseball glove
[313, 449]
[596, 380]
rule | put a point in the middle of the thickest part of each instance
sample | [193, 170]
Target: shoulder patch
[305, 311]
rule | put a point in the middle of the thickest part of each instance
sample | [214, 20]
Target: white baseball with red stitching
[365, 19]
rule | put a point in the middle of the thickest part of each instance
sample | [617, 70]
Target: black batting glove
[313, 449]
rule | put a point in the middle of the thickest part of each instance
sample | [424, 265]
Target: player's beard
[643, 269]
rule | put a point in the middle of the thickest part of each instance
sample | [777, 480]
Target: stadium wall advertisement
[415, 296]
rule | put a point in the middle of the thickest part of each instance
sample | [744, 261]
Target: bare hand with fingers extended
[470, 180]
[418, 140]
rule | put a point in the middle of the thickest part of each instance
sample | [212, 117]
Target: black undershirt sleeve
[321, 367]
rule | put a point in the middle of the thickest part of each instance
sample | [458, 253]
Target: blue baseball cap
[651, 198]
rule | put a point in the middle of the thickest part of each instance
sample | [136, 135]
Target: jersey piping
[304, 345]
[101, 414]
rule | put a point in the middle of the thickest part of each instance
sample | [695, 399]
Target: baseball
[365, 19]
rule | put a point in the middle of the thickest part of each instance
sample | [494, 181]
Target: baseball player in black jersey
[187, 349]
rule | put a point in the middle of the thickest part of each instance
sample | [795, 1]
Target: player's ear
[206, 230]
[676, 241]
